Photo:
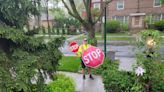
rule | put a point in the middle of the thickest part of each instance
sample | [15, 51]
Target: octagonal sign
[93, 57]
[73, 46]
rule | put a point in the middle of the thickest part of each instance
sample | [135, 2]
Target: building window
[121, 19]
[120, 5]
[157, 3]
[126, 19]
[156, 17]
[96, 6]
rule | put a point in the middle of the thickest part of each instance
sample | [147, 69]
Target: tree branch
[77, 15]
[69, 11]
[102, 11]
[87, 4]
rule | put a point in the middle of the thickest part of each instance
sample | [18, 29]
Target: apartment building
[133, 12]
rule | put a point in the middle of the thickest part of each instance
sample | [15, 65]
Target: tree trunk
[91, 34]
[149, 86]
[48, 22]
[40, 82]
[39, 15]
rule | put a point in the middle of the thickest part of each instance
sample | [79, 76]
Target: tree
[37, 4]
[24, 57]
[88, 22]
[16, 12]
[63, 21]
[162, 1]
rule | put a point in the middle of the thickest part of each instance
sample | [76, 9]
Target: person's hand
[77, 54]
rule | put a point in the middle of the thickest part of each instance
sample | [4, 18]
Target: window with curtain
[120, 5]
[156, 17]
[121, 19]
[96, 6]
[157, 3]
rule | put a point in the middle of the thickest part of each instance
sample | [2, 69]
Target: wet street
[125, 53]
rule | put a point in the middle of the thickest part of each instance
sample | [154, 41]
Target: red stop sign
[73, 46]
[93, 57]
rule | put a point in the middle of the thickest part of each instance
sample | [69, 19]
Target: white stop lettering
[91, 56]
[74, 47]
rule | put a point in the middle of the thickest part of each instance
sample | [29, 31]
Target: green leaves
[162, 1]
[148, 58]
[116, 80]
[24, 55]
[142, 38]
[61, 84]
[112, 26]
[159, 25]
[16, 12]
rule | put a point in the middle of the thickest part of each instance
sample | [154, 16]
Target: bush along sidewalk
[61, 84]
[147, 74]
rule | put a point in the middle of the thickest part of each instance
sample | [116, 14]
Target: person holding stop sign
[82, 48]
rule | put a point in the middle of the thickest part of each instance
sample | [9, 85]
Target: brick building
[133, 12]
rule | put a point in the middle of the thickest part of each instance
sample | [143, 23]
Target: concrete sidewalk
[86, 85]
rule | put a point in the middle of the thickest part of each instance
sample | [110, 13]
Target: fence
[60, 31]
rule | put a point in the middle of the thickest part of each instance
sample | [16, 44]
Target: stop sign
[73, 46]
[93, 57]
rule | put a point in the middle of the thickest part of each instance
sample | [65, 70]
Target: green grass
[117, 38]
[113, 34]
[69, 64]
[110, 38]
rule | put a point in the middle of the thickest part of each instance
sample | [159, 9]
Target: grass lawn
[117, 38]
[69, 63]
[111, 38]
[113, 34]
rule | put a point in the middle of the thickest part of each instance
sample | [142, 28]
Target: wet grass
[69, 64]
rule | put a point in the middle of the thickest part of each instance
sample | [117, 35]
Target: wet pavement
[124, 52]
[86, 85]
[121, 51]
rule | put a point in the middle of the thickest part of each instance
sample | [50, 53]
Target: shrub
[107, 63]
[112, 26]
[33, 32]
[159, 25]
[61, 84]
[123, 81]
[148, 58]
[158, 80]
[113, 79]
[43, 30]
[148, 21]
[124, 27]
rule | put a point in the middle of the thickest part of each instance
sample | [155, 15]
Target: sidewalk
[86, 85]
